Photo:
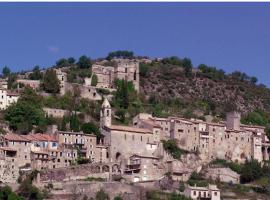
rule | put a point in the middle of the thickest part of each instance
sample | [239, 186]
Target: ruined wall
[77, 172]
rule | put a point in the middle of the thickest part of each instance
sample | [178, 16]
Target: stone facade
[56, 113]
[87, 92]
[62, 77]
[34, 84]
[230, 140]
[123, 69]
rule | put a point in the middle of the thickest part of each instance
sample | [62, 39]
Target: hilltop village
[147, 150]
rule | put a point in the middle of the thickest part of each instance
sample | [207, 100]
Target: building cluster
[46, 151]
[132, 145]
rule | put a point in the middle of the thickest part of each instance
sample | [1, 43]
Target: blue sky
[231, 36]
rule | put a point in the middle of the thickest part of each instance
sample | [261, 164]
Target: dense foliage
[250, 171]
[158, 195]
[51, 84]
[94, 80]
[258, 117]
[26, 113]
[84, 62]
[6, 193]
[197, 179]
[171, 147]
[6, 71]
[120, 54]
[36, 74]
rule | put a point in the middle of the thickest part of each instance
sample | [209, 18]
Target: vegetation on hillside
[171, 147]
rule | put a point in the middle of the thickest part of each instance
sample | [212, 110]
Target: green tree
[74, 122]
[102, 195]
[186, 62]
[144, 70]
[84, 62]
[62, 63]
[51, 84]
[36, 74]
[120, 54]
[6, 71]
[91, 128]
[172, 148]
[94, 80]
[253, 80]
[26, 113]
[251, 171]
[71, 60]
[6, 193]
[12, 81]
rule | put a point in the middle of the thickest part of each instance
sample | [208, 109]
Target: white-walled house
[7, 98]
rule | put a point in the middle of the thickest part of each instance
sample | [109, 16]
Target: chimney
[233, 120]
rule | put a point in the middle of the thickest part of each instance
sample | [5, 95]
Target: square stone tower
[233, 120]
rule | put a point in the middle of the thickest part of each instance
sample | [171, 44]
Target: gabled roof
[42, 137]
[15, 137]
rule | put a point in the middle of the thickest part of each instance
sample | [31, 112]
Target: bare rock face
[165, 183]
[188, 163]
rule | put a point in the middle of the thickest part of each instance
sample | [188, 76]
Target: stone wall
[77, 172]
[79, 189]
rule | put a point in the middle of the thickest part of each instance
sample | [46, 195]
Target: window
[141, 138]
[108, 113]
[215, 193]
[125, 136]
[194, 192]
[132, 137]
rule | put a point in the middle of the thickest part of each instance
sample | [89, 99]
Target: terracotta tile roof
[151, 123]
[129, 129]
[42, 137]
[30, 137]
[9, 93]
[15, 137]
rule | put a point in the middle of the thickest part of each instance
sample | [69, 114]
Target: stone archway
[115, 168]
[117, 156]
[105, 168]
[96, 169]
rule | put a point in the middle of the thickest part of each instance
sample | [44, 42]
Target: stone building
[105, 76]
[210, 193]
[123, 141]
[56, 113]
[34, 84]
[7, 98]
[87, 92]
[86, 142]
[123, 69]
[143, 168]
[230, 140]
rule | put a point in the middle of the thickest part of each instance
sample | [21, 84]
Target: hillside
[204, 90]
